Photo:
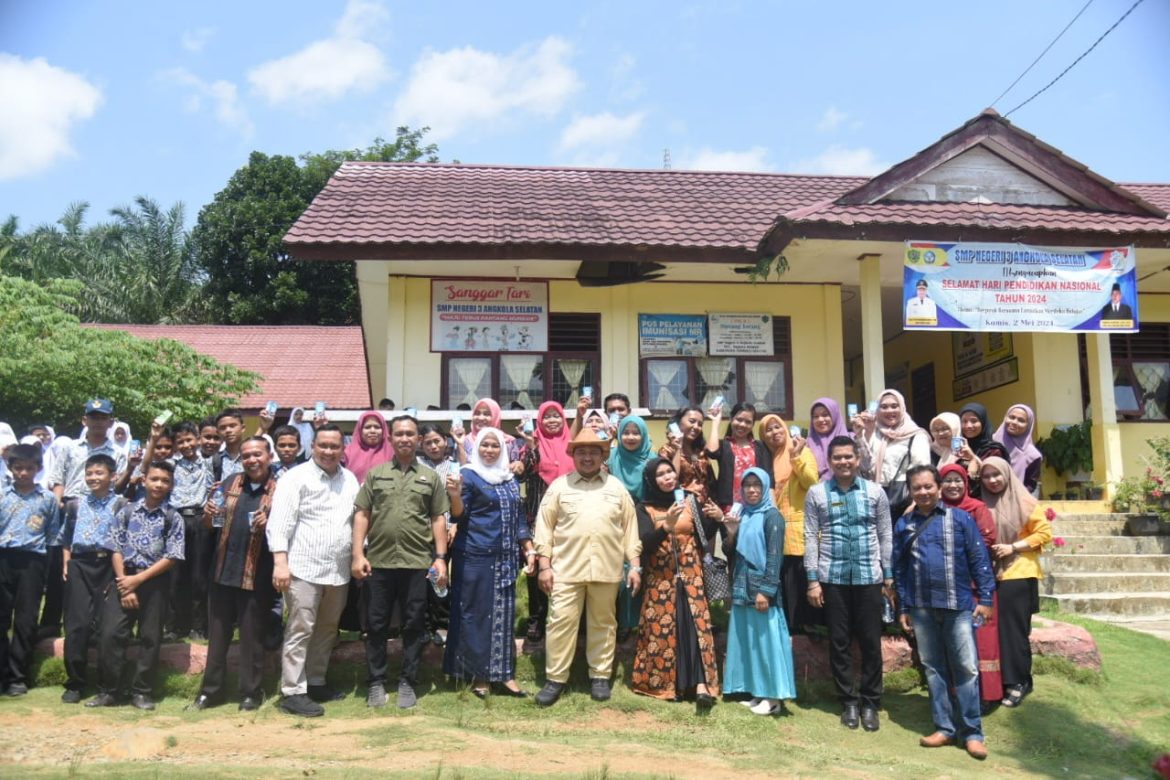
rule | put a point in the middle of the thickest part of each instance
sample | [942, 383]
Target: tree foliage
[50, 364]
[251, 279]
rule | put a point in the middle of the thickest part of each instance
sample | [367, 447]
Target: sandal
[1014, 696]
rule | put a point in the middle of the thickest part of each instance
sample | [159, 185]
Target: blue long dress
[759, 650]
[485, 563]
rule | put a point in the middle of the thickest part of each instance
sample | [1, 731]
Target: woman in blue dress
[759, 651]
[485, 561]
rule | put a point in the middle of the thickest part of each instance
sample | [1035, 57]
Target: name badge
[837, 503]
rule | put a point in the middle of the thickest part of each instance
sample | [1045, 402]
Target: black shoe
[535, 633]
[102, 700]
[849, 718]
[599, 689]
[71, 696]
[869, 719]
[17, 689]
[703, 703]
[549, 694]
[251, 703]
[499, 689]
[479, 693]
[323, 693]
[202, 702]
[300, 704]
[141, 701]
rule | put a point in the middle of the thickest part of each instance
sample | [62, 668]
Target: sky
[102, 101]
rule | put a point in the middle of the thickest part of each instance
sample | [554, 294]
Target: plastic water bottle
[219, 500]
[433, 576]
[888, 615]
[977, 621]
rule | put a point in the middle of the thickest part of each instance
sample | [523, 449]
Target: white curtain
[572, 371]
[663, 373]
[468, 373]
[1153, 378]
[760, 378]
[714, 372]
[518, 369]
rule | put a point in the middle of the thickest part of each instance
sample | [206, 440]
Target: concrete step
[1064, 584]
[1113, 604]
[1081, 563]
[1076, 544]
[1088, 527]
[1095, 517]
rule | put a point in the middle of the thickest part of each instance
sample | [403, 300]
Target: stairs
[1104, 574]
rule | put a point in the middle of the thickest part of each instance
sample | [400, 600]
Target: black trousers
[115, 635]
[22, 578]
[408, 589]
[190, 576]
[85, 589]
[251, 611]
[855, 612]
[537, 603]
[54, 588]
[1018, 601]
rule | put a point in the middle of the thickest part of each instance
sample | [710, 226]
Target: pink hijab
[1021, 449]
[359, 456]
[555, 459]
[494, 408]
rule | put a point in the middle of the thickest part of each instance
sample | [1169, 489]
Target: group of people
[857, 519]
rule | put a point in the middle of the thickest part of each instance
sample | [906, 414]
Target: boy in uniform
[148, 539]
[288, 448]
[29, 518]
[209, 440]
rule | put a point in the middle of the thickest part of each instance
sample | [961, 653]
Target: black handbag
[898, 491]
[716, 577]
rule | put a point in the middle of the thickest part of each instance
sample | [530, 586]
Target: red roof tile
[299, 365]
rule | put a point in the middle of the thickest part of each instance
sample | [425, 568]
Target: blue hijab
[752, 545]
[627, 466]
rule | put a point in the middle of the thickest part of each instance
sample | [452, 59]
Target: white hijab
[113, 439]
[304, 428]
[491, 473]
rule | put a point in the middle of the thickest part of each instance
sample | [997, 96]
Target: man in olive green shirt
[399, 531]
[585, 529]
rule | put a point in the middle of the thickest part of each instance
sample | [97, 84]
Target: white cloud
[331, 67]
[195, 40]
[41, 104]
[222, 95]
[841, 161]
[626, 86]
[448, 90]
[753, 159]
[604, 129]
[831, 119]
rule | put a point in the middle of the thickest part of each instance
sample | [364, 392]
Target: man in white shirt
[310, 536]
[921, 310]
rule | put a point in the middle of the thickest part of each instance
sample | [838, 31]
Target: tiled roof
[298, 364]
[386, 207]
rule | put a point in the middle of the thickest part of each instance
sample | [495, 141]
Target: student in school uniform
[148, 539]
[29, 518]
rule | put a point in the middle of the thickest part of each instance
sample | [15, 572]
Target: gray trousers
[313, 613]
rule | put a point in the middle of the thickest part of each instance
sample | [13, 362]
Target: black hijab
[983, 444]
[652, 495]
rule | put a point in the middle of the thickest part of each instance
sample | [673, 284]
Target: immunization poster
[1014, 287]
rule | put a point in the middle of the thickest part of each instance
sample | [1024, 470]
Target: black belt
[190, 511]
[95, 555]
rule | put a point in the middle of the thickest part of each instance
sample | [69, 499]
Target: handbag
[898, 492]
[716, 578]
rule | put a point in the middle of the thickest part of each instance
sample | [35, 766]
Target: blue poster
[1013, 287]
[668, 335]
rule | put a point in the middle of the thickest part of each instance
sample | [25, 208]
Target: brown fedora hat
[587, 438]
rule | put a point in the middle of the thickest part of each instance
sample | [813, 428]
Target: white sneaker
[767, 707]
[752, 703]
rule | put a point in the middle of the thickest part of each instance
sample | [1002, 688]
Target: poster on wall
[488, 316]
[740, 333]
[1014, 287]
[975, 351]
[986, 379]
[668, 335]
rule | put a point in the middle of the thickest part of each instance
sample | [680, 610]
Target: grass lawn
[1076, 724]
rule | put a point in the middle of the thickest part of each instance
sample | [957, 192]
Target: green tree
[251, 279]
[50, 364]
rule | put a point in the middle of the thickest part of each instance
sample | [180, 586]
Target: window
[670, 383]
[527, 379]
[1141, 372]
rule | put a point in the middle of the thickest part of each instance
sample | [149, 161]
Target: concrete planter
[1144, 525]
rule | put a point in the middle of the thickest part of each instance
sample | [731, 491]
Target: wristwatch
[440, 556]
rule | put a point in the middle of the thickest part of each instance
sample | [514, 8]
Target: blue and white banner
[1013, 287]
[662, 335]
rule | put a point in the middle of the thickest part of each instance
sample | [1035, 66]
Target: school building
[639, 281]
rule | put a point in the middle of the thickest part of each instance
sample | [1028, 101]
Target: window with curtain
[1141, 373]
[468, 380]
[521, 381]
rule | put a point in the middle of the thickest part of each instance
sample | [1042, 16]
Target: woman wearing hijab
[627, 459]
[297, 420]
[120, 436]
[891, 443]
[486, 414]
[975, 427]
[795, 471]
[944, 429]
[370, 445]
[759, 650]
[485, 562]
[825, 424]
[953, 484]
[675, 656]
[545, 459]
[1021, 531]
[1015, 434]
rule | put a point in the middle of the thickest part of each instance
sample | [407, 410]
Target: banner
[737, 333]
[483, 316]
[1013, 287]
[669, 335]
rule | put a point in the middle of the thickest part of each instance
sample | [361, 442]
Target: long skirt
[1018, 601]
[987, 645]
[483, 609]
[759, 654]
[629, 605]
